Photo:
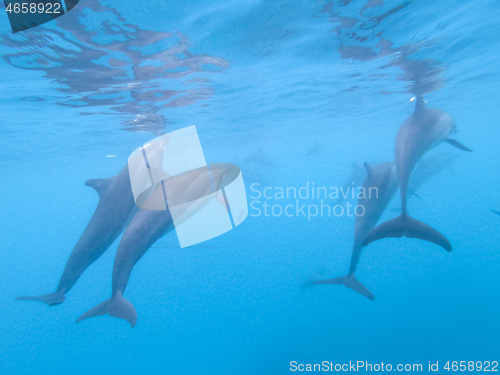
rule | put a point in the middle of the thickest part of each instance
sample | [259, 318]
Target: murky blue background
[292, 92]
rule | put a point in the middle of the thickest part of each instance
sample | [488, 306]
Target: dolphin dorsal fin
[99, 184]
[420, 104]
[369, 170]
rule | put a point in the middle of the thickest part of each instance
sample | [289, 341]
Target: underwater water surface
[294, 93]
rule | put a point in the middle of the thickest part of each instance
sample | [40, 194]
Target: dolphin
[382, 180]
[183, 193]
[115, 209]
[425, 170]
[144, 230]
[422, 131]
[354, 180]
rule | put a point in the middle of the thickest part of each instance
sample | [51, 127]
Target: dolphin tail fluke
[408, 227]
[50, 299]
[417, 229]
[390, 228]
[101, 309]
[117, 307]
[123, 309]
[335, 281]
[351, 282]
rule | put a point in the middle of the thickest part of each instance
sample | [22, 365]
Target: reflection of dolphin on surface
[148, 226]
[133, 82]
[116, 207]
[423, 130]
[383, 180]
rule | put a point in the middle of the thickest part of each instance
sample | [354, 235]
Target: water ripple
[100, 60]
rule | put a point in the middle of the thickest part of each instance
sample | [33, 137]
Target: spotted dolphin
[115, 209]
[425, 170]
[144, 230]
[354, 180]
[423, 130]
[148, 226]
[379, 186]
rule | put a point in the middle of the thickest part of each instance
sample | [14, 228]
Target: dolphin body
[354, 180]
[423, 130]
[425, 170]
[115, 209]
[383, 179]
[144, 230]
[148, 226]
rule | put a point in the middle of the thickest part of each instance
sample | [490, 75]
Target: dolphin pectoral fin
[101, 309]
[50, 299]
[349, 281]
[457, 144]
[415, 194]
[123, 309]
[408, 227]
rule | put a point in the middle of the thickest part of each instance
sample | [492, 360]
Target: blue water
[292, 92]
